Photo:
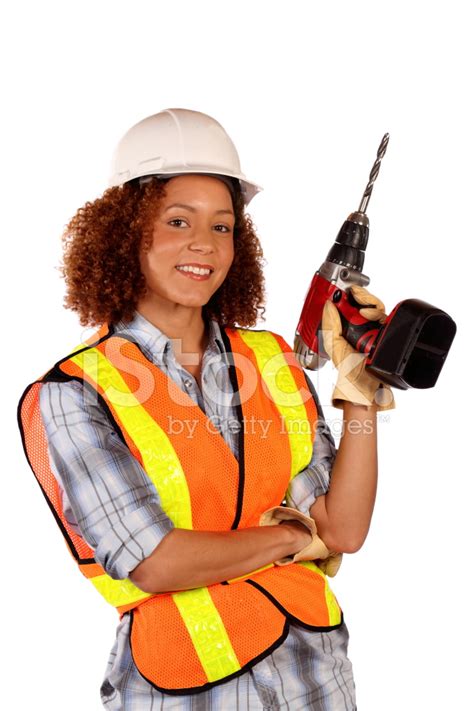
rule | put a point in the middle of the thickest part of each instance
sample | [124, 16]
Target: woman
[167, 445]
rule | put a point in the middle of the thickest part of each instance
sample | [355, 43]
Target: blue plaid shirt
[110, 501]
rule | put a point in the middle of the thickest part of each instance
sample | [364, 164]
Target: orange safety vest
[188, 641]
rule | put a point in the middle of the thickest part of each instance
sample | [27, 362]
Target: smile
[195, 272]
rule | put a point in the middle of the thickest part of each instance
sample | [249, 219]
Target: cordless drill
[408, 349]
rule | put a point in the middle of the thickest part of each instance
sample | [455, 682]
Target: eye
[223, 228]
[177, 219]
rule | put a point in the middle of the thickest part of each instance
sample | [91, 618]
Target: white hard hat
[176, 142]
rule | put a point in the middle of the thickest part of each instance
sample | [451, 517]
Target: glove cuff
[314, 550]
[365, 390]
[331, 564]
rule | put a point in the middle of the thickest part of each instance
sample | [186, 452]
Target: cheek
[159, 253]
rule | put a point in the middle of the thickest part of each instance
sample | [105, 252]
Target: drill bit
[373, 174]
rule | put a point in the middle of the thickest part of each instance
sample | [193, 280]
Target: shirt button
[188, 383]
[234, 426]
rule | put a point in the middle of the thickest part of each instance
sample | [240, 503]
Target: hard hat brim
[248, 188]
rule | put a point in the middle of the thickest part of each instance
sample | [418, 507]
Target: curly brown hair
[101, 264]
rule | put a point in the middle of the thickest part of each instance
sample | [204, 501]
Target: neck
[184, 326]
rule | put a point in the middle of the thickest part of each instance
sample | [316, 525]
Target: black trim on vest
[240, 416]
[72, 548]
[209, 685]
[291, 617]
[57, 375]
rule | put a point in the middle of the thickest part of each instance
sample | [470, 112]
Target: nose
[202, 240]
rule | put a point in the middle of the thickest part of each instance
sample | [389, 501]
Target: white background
[306, 90]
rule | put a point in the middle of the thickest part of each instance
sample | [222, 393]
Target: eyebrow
[193, 209]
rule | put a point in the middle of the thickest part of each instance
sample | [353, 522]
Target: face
[193, 245]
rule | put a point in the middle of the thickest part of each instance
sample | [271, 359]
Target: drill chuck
[351, 242]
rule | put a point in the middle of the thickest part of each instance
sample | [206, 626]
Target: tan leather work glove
[316, 550]
[354, 383]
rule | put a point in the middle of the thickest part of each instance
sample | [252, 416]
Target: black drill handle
[358, 331]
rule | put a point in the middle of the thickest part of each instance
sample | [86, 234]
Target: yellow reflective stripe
[207, 631]
[334, 611]
[283, 389]
[118, 592]
[164, 469]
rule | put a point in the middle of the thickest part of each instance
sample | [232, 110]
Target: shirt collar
[155, 344]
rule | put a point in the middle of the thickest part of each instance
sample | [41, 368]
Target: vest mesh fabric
[192, 639]
[172, 659]
[36, 447]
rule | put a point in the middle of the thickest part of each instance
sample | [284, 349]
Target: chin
[193, 302]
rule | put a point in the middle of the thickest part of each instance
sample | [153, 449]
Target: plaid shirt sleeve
[313, 481]
[107, 496]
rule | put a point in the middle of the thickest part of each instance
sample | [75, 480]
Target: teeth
[194, 270]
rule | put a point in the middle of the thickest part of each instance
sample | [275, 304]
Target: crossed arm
[187, 559]
[111, 500]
